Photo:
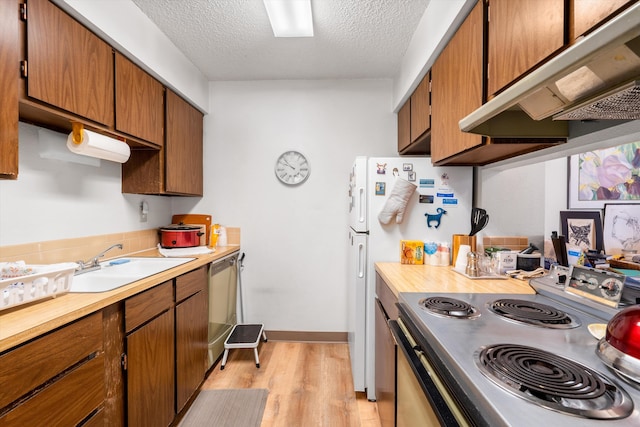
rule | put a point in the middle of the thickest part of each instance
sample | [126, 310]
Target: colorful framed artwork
[610, 175]
[582, 229]
[621, 228]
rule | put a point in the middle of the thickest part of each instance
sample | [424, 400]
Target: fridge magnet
[427, 183]
[444, 179]
[435, 218]
[407, 167]
[380, 188]
[621, 228]
[381, 168]
[411, 176]
[582, 229]
[426, 198]
[396, 172]
[450, 202]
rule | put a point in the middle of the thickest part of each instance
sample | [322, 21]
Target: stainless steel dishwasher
[223, 285]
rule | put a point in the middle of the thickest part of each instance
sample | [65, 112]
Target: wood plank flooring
[309, 384]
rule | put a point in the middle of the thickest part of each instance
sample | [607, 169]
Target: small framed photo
[621, 228]
[411, 176]
[407, 167]
[583, 229]
[380, 188]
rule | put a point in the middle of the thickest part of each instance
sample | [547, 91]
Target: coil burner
[449, 307]
[552, 381]
[532, 313]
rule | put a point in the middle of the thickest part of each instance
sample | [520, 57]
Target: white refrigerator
[405, 190]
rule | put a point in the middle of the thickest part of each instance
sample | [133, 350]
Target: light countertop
[426, 278]
[22, 323]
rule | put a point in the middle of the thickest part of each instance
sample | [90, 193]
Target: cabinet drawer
[143, 307]
[190, 283]
[31, 365]
[65, 402]
[387, 298]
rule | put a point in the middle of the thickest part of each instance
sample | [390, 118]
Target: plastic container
[47, 281]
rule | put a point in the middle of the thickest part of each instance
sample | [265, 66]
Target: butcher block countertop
[426, 278]
[22, 323]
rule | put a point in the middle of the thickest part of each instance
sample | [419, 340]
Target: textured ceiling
[232, 39]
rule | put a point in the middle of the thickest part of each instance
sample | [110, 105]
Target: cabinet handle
[123, 361]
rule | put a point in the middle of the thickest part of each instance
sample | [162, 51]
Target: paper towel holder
[99, 146]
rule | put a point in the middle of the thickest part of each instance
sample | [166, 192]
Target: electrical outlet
[144, 210]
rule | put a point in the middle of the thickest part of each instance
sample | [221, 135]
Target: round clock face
[292, 168]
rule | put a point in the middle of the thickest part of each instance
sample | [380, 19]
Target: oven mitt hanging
[397, 202]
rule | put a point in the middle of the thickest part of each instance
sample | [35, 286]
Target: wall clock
[292, 168]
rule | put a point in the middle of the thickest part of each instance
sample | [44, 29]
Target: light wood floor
[309, 384]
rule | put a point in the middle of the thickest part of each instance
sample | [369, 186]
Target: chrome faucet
[94, 263]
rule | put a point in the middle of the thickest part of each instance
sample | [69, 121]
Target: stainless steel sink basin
[122, 271]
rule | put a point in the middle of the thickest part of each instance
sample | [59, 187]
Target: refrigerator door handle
[361, 261]
[361, 204]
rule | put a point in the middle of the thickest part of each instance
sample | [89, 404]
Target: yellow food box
[411, 252]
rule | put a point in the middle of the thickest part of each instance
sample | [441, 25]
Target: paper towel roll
[100, 146]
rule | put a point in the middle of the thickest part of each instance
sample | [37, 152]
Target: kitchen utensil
[180, 236]
[479, 220]
[620, 347]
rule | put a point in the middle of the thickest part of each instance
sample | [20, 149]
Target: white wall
[56, 199]
[295, 238]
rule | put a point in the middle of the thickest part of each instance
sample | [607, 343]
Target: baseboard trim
[306, 336]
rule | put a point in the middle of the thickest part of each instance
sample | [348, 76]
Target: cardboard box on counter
[411, 252]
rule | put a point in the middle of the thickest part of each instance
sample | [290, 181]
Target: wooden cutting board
[196, 219]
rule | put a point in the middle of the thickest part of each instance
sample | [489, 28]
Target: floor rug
[227, 408]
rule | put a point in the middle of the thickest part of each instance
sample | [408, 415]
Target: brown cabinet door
[456, 88]
[421, 108]
[183, 147]
[522, 33]
[385, 369]
[150, 373]
[69, 67]
[191, 346]
[139, 102]
[9, 77]
[588, 13]
[404, 126]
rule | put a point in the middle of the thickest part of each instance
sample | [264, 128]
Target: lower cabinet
[150, 357]
[191, 334]
[56, 379]
[385, 364]
[136, 362]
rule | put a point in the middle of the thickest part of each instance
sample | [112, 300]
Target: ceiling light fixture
[290, 18]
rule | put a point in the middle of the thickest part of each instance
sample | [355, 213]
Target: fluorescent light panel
[290, 18]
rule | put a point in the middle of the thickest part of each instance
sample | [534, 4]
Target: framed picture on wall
[582, 229]
[610, 175]
[621, 228]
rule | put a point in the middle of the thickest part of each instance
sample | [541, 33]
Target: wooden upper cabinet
[421, 108]
[9, 77]
[522, 33]
[68, 66]
[586, 14]
[404, 126]
[139, 102]
[183, 147]
[456, 88]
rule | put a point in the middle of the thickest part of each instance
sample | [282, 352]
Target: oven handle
[442, 411]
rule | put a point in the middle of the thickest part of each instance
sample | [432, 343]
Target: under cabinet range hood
[597, 78]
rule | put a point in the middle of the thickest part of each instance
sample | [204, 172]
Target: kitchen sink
[122, 271]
